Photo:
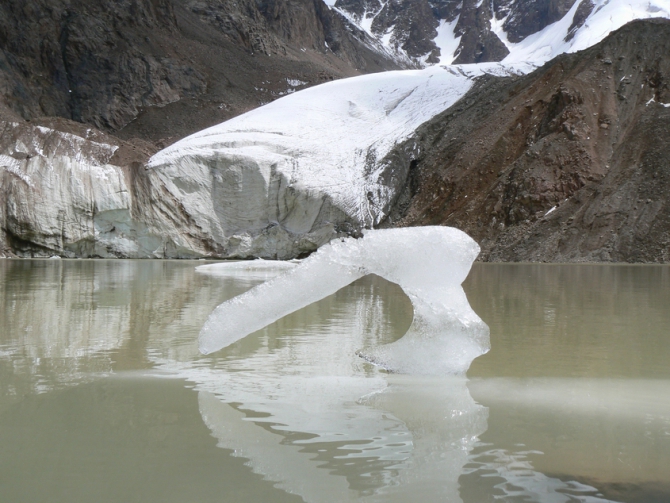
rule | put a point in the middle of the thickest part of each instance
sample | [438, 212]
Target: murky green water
[105, 398]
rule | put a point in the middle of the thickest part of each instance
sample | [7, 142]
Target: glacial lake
[104, 396]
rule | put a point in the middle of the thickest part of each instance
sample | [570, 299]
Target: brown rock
[161, 69]
[540, 187]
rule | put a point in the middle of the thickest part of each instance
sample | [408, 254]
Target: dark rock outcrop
[160, 69]
[570, 163]
[478, 43]
[412, 24]
[525, 17]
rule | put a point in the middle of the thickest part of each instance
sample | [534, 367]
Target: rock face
[569, 163]
[78, 61]
[480, 30]
[161, 69]
[522, 18]
[473, 31]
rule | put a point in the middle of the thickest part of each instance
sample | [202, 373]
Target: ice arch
[429, 264]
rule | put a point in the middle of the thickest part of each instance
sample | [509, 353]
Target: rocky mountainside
[161, 69]
[473, 31]
[569, 163]
[86, 104]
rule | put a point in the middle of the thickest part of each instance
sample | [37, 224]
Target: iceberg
[428, 263]
[248, 270]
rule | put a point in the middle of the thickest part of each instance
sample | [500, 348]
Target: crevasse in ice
[428, 263]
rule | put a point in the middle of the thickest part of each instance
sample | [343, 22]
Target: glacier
[277, 182]
[428, 263]
[290, 176]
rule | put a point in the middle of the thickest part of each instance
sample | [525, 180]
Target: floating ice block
[428, 263]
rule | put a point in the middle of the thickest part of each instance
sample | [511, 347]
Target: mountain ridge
[248, 187]
[473, 31]
[573, 169]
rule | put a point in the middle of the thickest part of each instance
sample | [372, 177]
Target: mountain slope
[574, 167]
[161, 69]
[473, 31]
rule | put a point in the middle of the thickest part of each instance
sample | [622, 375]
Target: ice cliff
[275, 182]
[290, 176]
[65, 194]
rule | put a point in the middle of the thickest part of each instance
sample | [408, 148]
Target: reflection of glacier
[64, 322]
[429, 264]
[51, 333]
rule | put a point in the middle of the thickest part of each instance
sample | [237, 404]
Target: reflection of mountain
[600, 431]
[124, 438]
[544, 314]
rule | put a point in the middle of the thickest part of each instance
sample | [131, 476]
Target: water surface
[104, 396]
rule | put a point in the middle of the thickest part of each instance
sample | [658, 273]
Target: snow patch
[607, 16]
[295, 82]
[447, 41]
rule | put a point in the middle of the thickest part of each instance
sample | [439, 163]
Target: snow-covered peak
[565, 35]
[427, 32]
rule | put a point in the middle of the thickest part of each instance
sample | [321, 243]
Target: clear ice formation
[428, 263]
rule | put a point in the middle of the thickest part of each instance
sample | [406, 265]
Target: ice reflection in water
[309, 415]
[384, 450]
[308, 408]
[52, 334]
[306, 411]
